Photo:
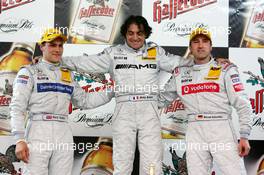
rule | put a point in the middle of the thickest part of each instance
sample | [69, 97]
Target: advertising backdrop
[237, 33]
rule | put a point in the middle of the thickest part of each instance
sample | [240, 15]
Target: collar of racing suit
[202, 66]
[130, 49]
[51, 66]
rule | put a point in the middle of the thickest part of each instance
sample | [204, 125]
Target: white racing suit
[45, 91]
[208, 91]
[135, 73]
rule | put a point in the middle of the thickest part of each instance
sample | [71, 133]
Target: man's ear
[41, 46]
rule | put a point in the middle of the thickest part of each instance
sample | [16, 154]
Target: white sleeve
[239, 100]
[169, 93]
[22, 89]
[98, 63]
[168, 62]
[84, 100]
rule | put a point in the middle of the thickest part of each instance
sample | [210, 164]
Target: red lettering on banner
[257, 103]
[238, 87]
[88, 88]
[96, 11]
[176, 105]
[4, 101]
[8, 4]
[201, 87]
[176, 7]
[258, 17]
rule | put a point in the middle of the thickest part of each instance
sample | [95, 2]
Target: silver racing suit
[45, 90]
[135, 73]
[208, 91]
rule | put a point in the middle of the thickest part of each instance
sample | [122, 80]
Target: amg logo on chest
[135, 66]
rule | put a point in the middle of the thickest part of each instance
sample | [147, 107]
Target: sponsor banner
[18, 25]
[173, 20]
[173, 117]
[173, 120]
[251, 67]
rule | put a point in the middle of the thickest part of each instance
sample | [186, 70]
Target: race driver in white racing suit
[45, 90]
[208, 91]
[134, 66]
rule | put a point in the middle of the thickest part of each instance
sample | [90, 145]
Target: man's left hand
[243, 147]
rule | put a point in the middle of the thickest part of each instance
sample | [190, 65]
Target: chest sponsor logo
[186, 80]
[120, 58]
[214, 73]
[186, 74]
[201, 87]
[135, 66]
[43, 78]
[54, 87]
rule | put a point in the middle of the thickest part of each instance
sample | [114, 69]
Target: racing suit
[208, 91]
[45, 90]
[135, 73]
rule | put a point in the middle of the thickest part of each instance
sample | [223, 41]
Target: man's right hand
[22, 151]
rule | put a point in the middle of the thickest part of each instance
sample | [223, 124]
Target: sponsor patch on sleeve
[176, 71]
[22, 81]
[23, 77]
[238, 87]
[236, 80]
[234, 76]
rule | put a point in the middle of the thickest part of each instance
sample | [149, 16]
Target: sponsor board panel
[251, 67]
[18, 25]
[173, 20]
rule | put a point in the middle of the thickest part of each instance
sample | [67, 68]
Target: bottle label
[256, 24]
[96, 170]
[95, 19]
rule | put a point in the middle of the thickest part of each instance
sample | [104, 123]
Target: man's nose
[135, 37]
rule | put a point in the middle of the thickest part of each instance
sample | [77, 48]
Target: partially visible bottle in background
[99, 161]
[19, 54]
[254, 30]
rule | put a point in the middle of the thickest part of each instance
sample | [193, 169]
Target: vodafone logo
[201, 87]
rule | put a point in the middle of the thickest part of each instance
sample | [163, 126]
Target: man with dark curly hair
[134, 66]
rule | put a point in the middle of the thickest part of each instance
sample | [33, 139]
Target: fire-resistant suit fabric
[44, 91]
[135, 73]
[208, 91]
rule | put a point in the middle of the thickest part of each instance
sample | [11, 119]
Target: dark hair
[139, 21]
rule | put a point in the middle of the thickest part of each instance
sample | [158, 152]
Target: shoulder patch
[151, 45]
[227, 66]
[176, 71]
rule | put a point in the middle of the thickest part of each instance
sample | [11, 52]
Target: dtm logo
[134, 66]
[202, 87]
